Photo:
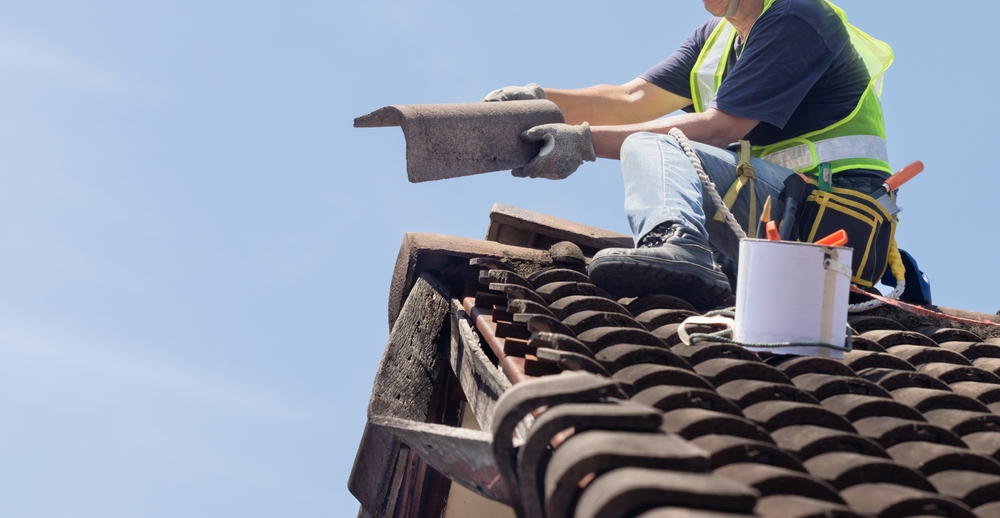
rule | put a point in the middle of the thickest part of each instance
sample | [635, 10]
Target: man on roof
[792, 77]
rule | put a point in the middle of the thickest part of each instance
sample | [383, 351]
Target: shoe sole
[631, 277]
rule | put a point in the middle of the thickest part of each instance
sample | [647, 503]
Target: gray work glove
[515, 93]
[564, 148]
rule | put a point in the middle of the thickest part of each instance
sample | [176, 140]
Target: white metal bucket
[792, 292]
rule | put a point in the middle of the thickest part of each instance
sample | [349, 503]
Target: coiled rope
[726, 336]
[895, 260]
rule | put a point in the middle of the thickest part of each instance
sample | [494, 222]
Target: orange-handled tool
[904, 175]
[838, 238]
[772, 231]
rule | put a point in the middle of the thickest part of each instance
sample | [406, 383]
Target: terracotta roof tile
[951, 373]
[794, 506]
[843, 470]
[773, 480]
[723, 370]
[895, 501]
[629, 491]
[774, 415]
[973, 350]
[890, 338]
[930, 458]
[964, 422]
[893, 379]
[617, 357]
[692, 423]
[808, 441]
[854, 407]
[704, 351]
[668, 398]
[811, 365]
[654, 318]
[597, 452]
[889, 431]
[586, 320]
[919, 354]
[725, 449]
[926, 400]
[750, 392]
[972, 488]
[906, 424]
[636, 378]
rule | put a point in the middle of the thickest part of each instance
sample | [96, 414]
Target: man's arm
[712, 127]
[608, 105]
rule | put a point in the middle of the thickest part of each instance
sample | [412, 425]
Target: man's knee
[644, 143]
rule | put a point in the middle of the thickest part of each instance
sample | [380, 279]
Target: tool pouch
[870, 229]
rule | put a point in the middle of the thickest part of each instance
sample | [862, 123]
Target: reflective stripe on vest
[857, 141]
[829, 150]
[710, 65]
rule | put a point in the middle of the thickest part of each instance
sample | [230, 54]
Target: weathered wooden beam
[404, 388]
[481, 381]
[464, 456]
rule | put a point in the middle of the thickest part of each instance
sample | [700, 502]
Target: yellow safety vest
[856, 142]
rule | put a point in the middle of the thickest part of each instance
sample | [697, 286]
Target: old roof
[601, 411]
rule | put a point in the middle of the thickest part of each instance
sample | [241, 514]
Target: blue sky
[196, 246]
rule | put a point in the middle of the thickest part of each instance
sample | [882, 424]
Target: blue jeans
[661, 185]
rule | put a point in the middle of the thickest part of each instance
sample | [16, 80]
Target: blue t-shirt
[796, 73]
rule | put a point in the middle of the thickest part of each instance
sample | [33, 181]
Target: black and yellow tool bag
[870, 229]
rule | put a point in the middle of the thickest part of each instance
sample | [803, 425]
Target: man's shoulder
[816, 13]
[705, 30]
[811, 15]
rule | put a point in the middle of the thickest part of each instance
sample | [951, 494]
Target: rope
[917, 310]
[741, 234]
[725, 336]
[707, 182]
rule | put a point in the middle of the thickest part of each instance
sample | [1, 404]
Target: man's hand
[564, 148]
[515, 93]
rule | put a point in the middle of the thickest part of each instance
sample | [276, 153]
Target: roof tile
[668, 398]
[919, 354]
[894, 501]
[587, 320]
[823, 386]
[854, 407]
[773, 415]
[889, 431]
[726, 449]
[964, 422]
[808, 441]
[749, 392]
[926, 400]
[704, 351]
[723, 370]
[794, 506]
[951, 373]
[691, 423]
[617, 357]
[930, 458]
[843, 470]
[972, 488]
[773, 480]
[626, 491]
[636, 378]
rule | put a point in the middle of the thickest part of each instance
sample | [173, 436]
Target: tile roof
[610, 415]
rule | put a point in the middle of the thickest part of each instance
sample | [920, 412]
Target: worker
[781, 74]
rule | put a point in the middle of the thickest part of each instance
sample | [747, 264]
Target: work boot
[669, 260]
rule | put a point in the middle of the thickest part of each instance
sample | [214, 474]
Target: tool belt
[870, 229]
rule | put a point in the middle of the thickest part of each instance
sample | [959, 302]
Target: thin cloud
[37, 60]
